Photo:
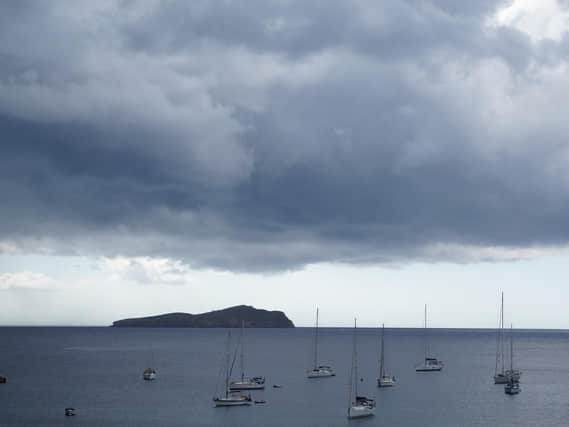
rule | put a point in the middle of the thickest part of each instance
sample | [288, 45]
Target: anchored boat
[384, 380]
[230, 397]
[430, 364]
[318, 371]
[501, 375]
[246, 383]
[149, 374]
[513, 385]
[359, 406]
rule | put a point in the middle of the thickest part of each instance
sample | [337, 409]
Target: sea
[98, 371]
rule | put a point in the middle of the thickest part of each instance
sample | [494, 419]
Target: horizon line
[294, 327]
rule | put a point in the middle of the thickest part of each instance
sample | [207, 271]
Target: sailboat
[501, 376]
[149, 374]
[230, 398]
[246, 383]
[359, 406]
[318, 371]
[500, 373]
[513, 385]
[431, 364]
[384, 380]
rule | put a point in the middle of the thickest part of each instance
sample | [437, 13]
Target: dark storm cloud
[269, 135]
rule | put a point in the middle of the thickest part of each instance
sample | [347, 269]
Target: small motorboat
[277, 386]
[69, 412]
[259, 402]
[149, 374]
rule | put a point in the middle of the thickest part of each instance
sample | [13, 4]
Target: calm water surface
[99, 372]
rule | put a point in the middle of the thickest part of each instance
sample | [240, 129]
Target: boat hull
[500, 379]
[360, 411]
[233, 399]
[428, 368]
[246, 386]
[231, 402]
[385, 382]
[430, 364]
[511, 390]
[515, 374]
[505, 378]
[320, 374]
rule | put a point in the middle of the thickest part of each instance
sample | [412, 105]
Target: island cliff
[231, 317]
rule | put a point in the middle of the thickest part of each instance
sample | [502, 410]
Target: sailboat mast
[382, 354]
[425, 332]
[350, 400]
[242, 351]
[502, 335]
[499, 339]
[228, 358]
[316, 342]
[511, 350]
[355, 360]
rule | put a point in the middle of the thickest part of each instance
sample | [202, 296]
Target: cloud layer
[271, 135]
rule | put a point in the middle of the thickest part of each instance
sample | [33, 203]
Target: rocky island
[231, 317]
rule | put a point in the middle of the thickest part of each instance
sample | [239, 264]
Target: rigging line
[234, 359]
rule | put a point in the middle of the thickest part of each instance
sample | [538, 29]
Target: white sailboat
[149, 374]
[318, 371]
[230, 398]
[359, 406]
[513, 385]
[430, 364]
[246, 383]
[500, 371]
[501, 375]
[384, 380]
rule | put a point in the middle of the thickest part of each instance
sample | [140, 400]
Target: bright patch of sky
[98, 291]
[540, 19]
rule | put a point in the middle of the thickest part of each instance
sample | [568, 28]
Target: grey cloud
[390, 30]
[279, 134]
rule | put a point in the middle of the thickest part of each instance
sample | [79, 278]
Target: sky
[362, 157]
